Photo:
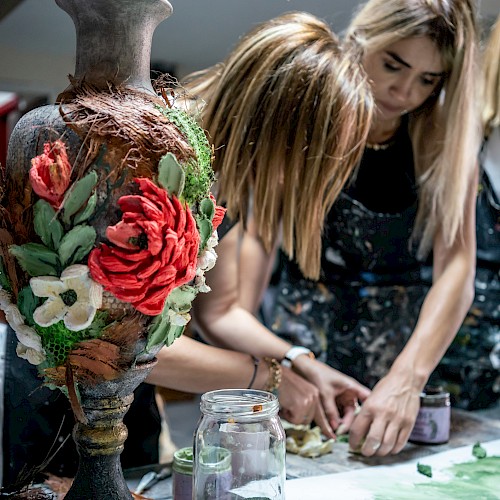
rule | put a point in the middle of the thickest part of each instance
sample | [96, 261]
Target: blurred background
[37, 39]
[37, 42]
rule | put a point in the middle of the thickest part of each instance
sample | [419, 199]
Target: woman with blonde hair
[414, 191]
[470, 369]
[288, 113]
[368, 314]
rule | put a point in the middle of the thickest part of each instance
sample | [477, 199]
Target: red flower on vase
[220, 212]
[50, 173]
[155, 249]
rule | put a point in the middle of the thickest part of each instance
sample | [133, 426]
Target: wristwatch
[293, 353]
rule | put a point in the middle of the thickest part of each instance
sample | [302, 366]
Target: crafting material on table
[404, 481]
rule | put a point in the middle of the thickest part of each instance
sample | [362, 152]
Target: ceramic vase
[113, 48]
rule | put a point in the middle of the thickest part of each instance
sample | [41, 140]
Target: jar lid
[214, 459]
[434, 396]
[183, 461]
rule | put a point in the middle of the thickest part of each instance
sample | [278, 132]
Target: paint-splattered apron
[360, 313]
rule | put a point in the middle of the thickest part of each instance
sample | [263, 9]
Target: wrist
[416, 375]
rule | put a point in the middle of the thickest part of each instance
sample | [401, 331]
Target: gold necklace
[378, 147]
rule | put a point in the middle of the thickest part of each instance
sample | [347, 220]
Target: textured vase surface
[113, 48]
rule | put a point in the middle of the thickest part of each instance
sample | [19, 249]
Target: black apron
[361, 312]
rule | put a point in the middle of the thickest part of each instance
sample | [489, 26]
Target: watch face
[297, 351]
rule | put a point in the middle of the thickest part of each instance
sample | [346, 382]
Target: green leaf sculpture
[46, 224]
[78, 196]
[207, 208]
[478, 451]
[171, 175]
[27, 302]
[162, 331]
[206, 230]
[88, 211]
[76, 244]
[37, 259]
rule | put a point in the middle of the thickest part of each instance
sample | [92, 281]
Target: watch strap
[293, 353]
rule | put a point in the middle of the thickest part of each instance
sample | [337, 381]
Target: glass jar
[239, 427]
[182, 474]
[433, 420]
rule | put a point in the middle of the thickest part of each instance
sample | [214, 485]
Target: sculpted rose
[50, 173]
[153, 249]
[220, 212]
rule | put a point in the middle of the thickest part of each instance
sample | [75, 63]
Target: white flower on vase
[74, 298]
[208, 257]
[29, 354]
[206, 261]
[29, 346]
[200, 283]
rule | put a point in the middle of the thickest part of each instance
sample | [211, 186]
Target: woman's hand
[300, 402]
[386, 419]
[340, 395]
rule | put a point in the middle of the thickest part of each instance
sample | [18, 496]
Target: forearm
[225, 316]
[447, 301]
[442, 313]
[238, 329]
[190, 366]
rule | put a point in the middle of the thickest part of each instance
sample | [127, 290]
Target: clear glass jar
[239, 427]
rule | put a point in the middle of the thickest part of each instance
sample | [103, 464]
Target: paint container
[433, 420]
[182, 474]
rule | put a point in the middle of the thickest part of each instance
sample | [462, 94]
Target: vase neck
[113, 39]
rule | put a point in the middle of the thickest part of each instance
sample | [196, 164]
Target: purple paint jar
[182, 474]
[433, 420]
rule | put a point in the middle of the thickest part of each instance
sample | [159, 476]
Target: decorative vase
[123, 144]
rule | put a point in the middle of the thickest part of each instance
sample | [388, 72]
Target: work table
[467, 428]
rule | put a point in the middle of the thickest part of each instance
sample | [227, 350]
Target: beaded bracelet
[256, 362]
[275, 375]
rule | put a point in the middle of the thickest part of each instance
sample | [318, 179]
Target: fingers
[347, 418]
[379, 436]
[298, 398]
[389, 442]
[321, 421]
[359, 430]
[402, 438]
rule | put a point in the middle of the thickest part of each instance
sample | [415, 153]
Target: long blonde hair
[445, 131]
[491, 97]
[288, 113]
